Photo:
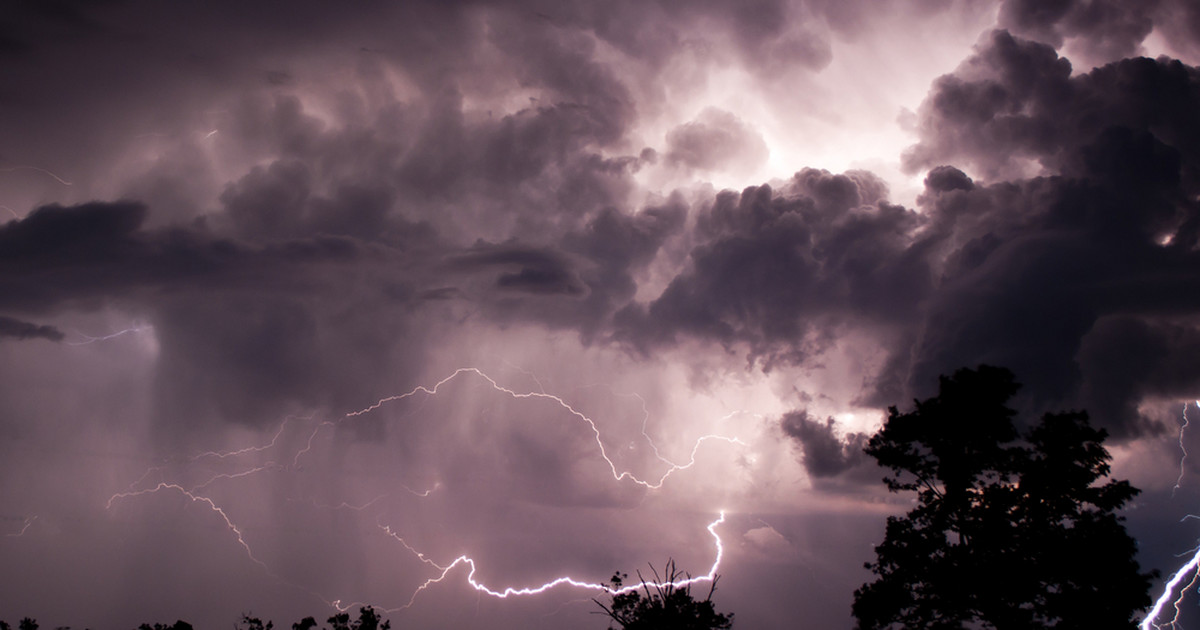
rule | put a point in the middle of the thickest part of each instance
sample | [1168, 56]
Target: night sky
[300, 302]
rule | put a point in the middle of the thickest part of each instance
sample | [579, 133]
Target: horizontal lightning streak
[561, 581]
[443, 570]
[88, 339]
[617, 475]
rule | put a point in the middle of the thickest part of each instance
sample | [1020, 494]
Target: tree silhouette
[660, 605]
[254, 623]
[368, 619]
[178, 625]
[1010, 530]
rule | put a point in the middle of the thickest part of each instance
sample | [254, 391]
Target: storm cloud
[553, 284]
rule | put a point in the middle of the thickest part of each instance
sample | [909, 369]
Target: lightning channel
[25, 527]
[441, 569]
[9, 169]
[1190, 568]
[195, 498]
[616, 474]
[511, 591]
[88, 339]
[1182, 449]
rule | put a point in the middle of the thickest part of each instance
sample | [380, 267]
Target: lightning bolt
[1182, 573]
[212, 505]
[541, 588]
[1183, 458]
[28, 522]
[443, 570]
[9, 169]
[88, 339]
[617, 475]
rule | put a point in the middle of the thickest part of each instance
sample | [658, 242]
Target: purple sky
[609, 268]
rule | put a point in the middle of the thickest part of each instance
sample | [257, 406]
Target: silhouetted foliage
[178, 625]
[659, 605]
[368, 619]
[307, 623]
[1010, 530]
[254, 623]
[28, 624]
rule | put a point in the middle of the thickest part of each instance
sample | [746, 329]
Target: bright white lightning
[561, 581]
[1189, 569]
[444, 570]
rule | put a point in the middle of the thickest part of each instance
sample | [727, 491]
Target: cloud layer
[231, 226]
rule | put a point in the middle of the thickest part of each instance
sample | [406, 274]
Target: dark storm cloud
[1016, 100]
[1031, 265]
[17, 329]
[1016, 273]
[524, 269]
[1103, 30]
[245, 330]
[58, 255]
[781, 272]
[824, 453]
[1108, 29]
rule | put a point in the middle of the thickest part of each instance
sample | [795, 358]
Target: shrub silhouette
[660, 605]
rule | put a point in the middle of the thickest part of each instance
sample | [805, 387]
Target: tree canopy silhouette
[660, 605]
[1010, 529]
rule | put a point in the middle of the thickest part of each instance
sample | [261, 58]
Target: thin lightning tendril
[617, 475]
[9, 169]
[443, 570]
[28, 522]
[1183, 458]
[195, 499]
[88, 339]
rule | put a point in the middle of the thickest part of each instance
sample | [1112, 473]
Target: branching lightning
[1191, 568]
[534, 590]
[441, 569]
[195, 499]
[617, 475]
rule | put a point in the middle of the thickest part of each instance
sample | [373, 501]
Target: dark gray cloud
[17, 329]
[780, 272]
[824, 452]
[311, 210]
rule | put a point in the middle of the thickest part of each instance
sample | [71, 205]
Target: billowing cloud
[825, 453]
[552, 284]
